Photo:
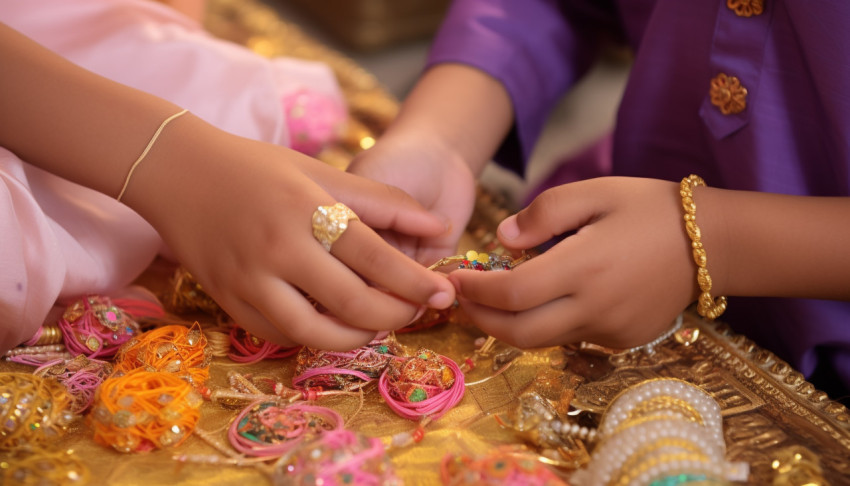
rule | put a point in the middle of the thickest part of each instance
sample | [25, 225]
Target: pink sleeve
[58, 239]
[54, 245]
[151, 47]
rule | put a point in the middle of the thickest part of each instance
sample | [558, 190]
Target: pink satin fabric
[60, 240]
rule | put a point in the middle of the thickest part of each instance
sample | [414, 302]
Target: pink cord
[81, 376]
[33, 340]
[297, 380]
[433, 407]
[250, 349]
[265, 429]
[349, 370]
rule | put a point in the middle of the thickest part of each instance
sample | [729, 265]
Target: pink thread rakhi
[96, 325]
[423, 386]
[264, 428]
[337, 458]
[247, 348]
[344, 370]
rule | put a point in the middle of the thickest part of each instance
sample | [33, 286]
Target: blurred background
[390, 39]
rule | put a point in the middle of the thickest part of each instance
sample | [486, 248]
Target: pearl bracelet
[657, 431]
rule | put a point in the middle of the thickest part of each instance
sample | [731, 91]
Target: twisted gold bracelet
[706, 305]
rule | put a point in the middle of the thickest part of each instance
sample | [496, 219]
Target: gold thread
[146, 150]
[707, 306]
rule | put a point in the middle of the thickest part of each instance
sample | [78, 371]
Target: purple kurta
[793, 137]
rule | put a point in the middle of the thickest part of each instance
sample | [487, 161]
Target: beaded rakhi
[33, 410]
[97, 326]
[175, 349]
[81, 376]
[38, 466]
[144, 410]
[344, 370]
[247, 348]
[502, 466]
[423, 385]
[337, 458]
[265, 428]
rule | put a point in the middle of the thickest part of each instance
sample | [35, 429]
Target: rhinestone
[124, 419]
[92, 343]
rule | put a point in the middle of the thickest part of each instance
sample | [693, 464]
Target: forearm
[463, 108]
[69, 121]
[775, 245]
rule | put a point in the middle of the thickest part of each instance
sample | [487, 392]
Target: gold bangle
[706, 305]
[145, 152]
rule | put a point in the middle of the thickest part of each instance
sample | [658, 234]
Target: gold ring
[330, 222]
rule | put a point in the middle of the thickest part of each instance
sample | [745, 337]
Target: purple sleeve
[534, 48]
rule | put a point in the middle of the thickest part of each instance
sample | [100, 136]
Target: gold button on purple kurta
[746, 8]
[728, 94]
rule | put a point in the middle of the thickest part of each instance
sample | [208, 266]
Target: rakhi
[37, 355]
[499, 467]
[144, 410]
[81, 377]
[481, 261]
[243, 389]
[174, 349]
[338, 457]
[344, 370]
[247, 348]
[537, 421]
[186, 295]
[264, 428]
[44, 466]
[33, 410]
[97, 326]
[423, 385]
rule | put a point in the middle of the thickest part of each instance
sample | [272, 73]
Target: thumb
[552, 213]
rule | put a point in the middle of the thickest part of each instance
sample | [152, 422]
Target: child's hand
[619, 281]
[237, 213]
[439, 179]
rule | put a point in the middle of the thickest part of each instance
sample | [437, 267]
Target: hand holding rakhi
[237, 213]
[619, 281]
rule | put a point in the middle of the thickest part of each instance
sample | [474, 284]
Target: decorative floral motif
[728, 94]
[746, 8]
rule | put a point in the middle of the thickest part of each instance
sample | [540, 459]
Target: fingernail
[447, 223]
[440, 300]
[419, 314]
[508, 228]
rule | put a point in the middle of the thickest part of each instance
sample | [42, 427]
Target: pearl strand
[656, 430]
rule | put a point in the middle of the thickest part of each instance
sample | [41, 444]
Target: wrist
[170, 171]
